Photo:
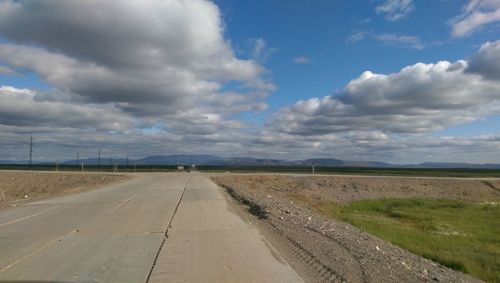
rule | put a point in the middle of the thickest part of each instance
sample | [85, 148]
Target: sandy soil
[322, 249]
[17, 187]
[347, 188]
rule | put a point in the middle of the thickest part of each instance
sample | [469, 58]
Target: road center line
[125, 201]
[27, 217]
[45, 246]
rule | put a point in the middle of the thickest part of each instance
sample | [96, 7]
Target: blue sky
[320, 31]
[401, 81]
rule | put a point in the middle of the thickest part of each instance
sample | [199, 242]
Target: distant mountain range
[211, 160]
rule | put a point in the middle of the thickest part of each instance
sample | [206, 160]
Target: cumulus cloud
[377, 146]
[418, 99]
[395, 10]
[19, 107]
[388, 39]
[487, 61]
[123, 73]
[60, 129]
[152, 58]
[138, 78]
[475, 14]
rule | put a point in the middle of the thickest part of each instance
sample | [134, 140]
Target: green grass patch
[461, 235]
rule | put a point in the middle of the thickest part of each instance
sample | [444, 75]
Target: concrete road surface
[117, 234]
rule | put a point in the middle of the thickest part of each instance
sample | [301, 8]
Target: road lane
[210, 243]
[107, 235]
[114, 234]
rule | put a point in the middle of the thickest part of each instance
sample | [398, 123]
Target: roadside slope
[17, 187]
[335, 250]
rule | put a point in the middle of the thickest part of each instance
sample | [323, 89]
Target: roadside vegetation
[461, 235]
[401, 172]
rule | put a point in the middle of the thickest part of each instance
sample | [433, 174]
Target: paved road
[117, 234]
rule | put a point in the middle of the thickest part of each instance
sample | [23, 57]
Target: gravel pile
[17, 187]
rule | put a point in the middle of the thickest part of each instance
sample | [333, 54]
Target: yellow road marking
[27, 217]
[5, 268]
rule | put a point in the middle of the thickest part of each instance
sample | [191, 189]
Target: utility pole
[99, 158]
[313, 168]
[77, 158]
[31, 150]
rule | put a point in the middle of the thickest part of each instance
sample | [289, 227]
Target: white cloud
[378, 146]
[357, 37]
[260, 51]
[123, 73]
[159, 77]
[419, 99]
[302, 60]
[486, 61]
[364, 21]
[7, 71]
[400, 40]
[389, 39]
[20, 108]
[149, 59]
[395, 10]
[61, 128]
[476, 14]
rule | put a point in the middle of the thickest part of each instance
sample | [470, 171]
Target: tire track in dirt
[488, 184]
[358, 266]
[325, 250]
[326, 273]
[355, 273]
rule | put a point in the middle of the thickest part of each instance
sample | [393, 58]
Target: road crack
[166, 231]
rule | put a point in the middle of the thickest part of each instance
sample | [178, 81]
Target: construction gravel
[327, 250]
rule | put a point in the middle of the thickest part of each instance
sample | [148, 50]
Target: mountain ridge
[213, 160]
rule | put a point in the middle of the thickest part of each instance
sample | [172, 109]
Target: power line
[31, 150]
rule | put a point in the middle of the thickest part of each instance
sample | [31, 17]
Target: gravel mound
[322, 249]
[17, 187]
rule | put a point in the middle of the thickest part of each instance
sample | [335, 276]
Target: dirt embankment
[344, 189]
[17, 187]
[322, 249]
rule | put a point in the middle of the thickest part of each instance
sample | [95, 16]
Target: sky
[399, 81]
